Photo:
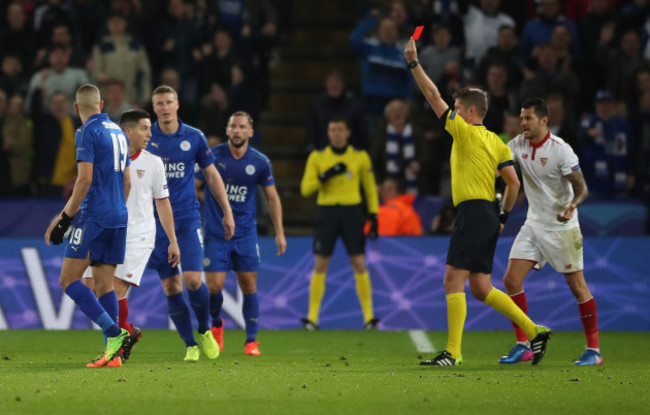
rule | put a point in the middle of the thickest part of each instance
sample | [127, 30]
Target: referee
[337, 173]
[476, 155]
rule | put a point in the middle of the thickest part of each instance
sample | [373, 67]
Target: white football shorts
[562, 249]
[135, 261]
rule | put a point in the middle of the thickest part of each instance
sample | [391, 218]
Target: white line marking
[421, 341]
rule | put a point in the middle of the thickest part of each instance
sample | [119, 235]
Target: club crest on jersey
[543, 160]
[140, 173]
[185, 145]
[250, 169]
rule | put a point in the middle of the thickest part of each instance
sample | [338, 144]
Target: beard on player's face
[239, 144]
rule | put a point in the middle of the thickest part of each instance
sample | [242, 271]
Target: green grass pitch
[325, 372]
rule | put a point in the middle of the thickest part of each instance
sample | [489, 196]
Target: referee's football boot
[443, 359]
[519, 353]
[539, 343]
[371, 324]
[309, 325]
[208, 345]
[591, 357]
[133, 339]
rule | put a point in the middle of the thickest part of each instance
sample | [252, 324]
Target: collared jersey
[476, 155]
[241, 178]
[102, 142]
[544, 168]
[342, 189]
[179, 152]
[148, 182]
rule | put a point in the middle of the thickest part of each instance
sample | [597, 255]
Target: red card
[418, 32]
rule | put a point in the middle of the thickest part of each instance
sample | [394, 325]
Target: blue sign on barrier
[406, 274]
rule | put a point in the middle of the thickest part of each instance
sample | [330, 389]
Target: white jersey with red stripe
[544, 168]
[148, 182]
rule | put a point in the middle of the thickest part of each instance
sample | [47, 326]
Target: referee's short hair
[539, 107]
[473, 97]
[339, 118]
[129, 118]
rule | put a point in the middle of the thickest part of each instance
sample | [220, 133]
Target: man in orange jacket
[396, 216]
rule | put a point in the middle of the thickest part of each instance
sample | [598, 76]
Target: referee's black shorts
[474, 238]
[344, 221]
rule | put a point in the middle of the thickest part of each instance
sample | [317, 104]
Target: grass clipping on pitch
[325, 372]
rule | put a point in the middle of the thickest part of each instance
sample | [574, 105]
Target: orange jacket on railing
[397, 217]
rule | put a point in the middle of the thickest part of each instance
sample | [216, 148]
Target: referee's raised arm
[426, 85]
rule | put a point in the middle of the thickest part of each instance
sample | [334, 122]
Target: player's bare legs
[72, 270]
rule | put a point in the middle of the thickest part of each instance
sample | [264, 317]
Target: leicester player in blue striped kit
[99, 239]
[181, 147]
[243, 169]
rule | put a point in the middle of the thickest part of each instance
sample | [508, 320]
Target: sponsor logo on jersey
[175, 170]
[185, 145]
[140, 173]
[153, 144]
[236, 193]
[222, 165]
[544, 160]
[250, 170]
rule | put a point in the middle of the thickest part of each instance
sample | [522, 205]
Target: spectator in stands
[640, 124]
[114, 100]
[215, 110]
[17, 37]
[12, 77]
[18, 144]
[336, 101]
[504, 52]
[58, 77]
[393, 151]
[501, 99]
[606, 145]
[438, 55]
[550, 78]
[540, 29]
[119, 56]
[511, 127]
[398, 11]
[5, 170]
[622, 64]
[396, 216]
[54, 142]
[64, 35]
[385, 75]
[561, 41]
[48, 15]
[481, 31]
[244, 95]
[559, 124]
[446, 12]
[217, 60]
[188, 111]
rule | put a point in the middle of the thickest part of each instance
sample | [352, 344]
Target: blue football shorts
[105, 245]
[190, 242]
[238, 254]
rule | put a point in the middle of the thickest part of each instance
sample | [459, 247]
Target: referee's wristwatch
[413, 64]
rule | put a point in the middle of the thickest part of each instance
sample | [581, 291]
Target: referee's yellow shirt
[342, 189]
[476, 155]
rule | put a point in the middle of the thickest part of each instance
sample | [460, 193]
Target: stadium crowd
[590, 59]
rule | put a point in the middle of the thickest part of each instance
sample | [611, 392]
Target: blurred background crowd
[590, 59]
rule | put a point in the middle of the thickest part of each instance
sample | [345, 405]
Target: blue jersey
[179, 152]
[102, 142]
[241, 178]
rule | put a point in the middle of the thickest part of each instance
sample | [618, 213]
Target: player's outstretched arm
[509, 175]
[218, 190]
[426, 85]
[580, 193]
[166, 216]
[275, 210]
[81, 186]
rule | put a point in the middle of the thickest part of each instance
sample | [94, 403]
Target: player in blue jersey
[181, 147]
[99, 239]
[243, 169]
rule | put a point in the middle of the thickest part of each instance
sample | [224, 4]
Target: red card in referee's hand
[418, 32]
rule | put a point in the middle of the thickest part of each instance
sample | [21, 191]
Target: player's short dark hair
[339, 118]
[473, 97]
[130, 118]
[539, 106]
[59, 46]
[241, 113]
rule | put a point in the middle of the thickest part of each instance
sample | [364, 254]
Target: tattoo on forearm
[579, 187]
